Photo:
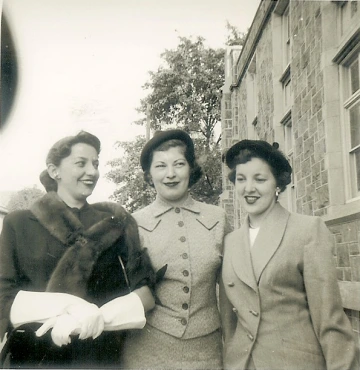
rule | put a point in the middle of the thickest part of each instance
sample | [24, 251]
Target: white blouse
[253, 234]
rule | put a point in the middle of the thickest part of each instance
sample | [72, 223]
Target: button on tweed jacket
[189, 239]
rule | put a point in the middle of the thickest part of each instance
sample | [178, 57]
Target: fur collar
[61, 223]
[84, 246]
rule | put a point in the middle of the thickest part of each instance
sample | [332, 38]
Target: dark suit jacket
[279, 299]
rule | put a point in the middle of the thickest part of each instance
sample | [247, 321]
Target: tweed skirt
[151, 348]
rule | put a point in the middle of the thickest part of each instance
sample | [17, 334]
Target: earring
[277, 192]
[57, 177]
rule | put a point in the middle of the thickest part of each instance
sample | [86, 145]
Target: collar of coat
[159, 207]
[249, 262]
[151, 216]
[61, 223]
[83, 246]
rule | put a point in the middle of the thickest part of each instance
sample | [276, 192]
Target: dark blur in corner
[9, 71]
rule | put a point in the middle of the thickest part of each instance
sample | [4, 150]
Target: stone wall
[318, 155]
[307, 110]
[346, 233]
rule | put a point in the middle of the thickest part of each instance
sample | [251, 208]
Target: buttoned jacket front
[279, 299]
[189, 239]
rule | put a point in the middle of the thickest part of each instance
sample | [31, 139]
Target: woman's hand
[84, 319]
[62, 327]
[90, 318]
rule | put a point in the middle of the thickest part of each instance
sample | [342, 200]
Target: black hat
[159, 138]
[264, 150]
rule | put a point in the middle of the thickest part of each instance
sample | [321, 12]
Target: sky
[82, 65]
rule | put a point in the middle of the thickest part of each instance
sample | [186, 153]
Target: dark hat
[159, 138]
[264, 150]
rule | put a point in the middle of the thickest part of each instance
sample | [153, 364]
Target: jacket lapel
[241, 257]
[268, 239]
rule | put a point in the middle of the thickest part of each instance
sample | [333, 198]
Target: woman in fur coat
[72, 274]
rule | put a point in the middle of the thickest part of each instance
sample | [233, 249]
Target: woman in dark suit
[75, 267]
[279, 298]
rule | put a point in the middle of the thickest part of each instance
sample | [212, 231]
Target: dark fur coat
[97, 263]
[84, 247]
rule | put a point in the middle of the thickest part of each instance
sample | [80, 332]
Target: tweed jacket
[189, 239]
[47, 248]
[279, 299]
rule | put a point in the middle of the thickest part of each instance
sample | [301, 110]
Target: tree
[185, 92]
[132, 192]
[209, 187]
[24, 198]
[235, 36]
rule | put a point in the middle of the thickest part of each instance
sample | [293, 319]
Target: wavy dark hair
[283, 178]
[195, 169]
[62, 149]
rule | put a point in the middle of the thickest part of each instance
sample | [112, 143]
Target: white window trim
[351, 194]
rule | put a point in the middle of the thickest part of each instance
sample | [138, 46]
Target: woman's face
[170, 173]
[78, 174]
[255, 188]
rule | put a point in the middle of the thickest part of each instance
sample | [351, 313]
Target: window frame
[351, 100]
[288, 138]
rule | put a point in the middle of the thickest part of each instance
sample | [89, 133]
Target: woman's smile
[170, 173]
[255, 187]
[251, 199]
[171, 184]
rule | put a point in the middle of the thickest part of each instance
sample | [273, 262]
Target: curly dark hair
[283, 178]
[195, 169]
[62, 149]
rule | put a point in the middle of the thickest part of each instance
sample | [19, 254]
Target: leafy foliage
[24, 198]
[184, 93]
[186, 90]
[209, 187]
[132, 192]
[235, 37]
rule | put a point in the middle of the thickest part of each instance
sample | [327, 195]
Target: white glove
[63, 326]
[125, 312]
[39, 306]
[89, 317]
[84, 319]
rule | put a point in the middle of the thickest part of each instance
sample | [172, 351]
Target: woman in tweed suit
[182, 330]
[279, 298]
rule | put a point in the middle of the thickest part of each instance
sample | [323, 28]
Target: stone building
[296, 81]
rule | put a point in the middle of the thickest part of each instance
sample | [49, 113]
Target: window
[352, 109]
[348, 15]
[252, 99]
[354, 7]
[286, 59]
[289, 152]
[354, 121]
[286, 37]
[354, 76]
[253, 133]
[287, 93]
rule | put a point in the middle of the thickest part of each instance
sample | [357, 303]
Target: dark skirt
[26, 350]
[151, 348]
